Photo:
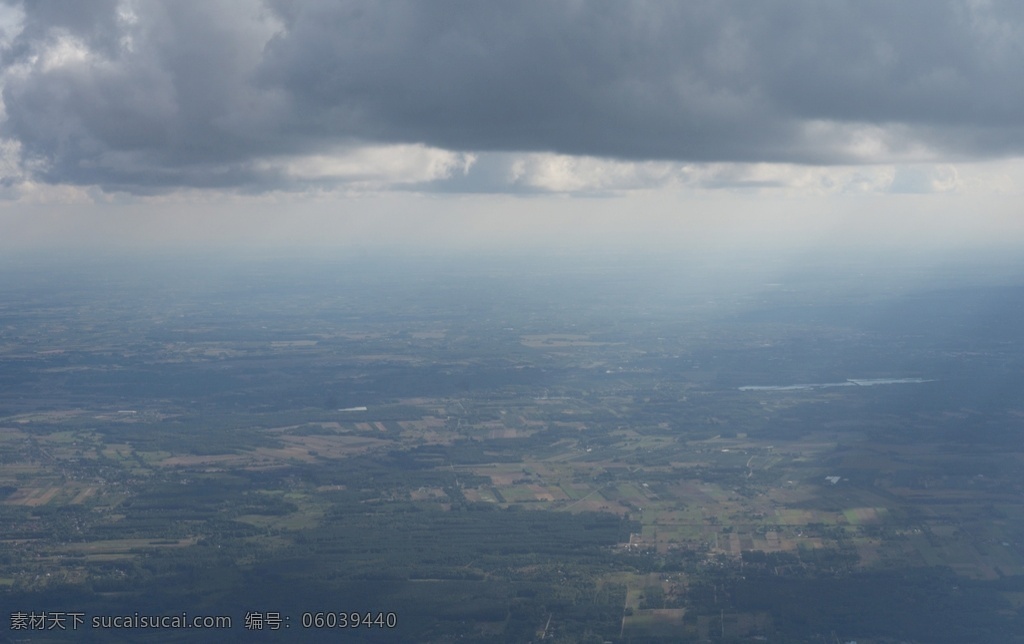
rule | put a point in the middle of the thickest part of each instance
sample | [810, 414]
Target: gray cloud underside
[145, 96]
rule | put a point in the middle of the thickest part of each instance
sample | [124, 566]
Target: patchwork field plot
[507, 467]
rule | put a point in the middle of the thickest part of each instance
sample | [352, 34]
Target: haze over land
[559, 321]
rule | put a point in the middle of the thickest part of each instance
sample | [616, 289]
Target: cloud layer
[146, 97]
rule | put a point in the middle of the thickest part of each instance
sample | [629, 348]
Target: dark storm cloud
[143, 96]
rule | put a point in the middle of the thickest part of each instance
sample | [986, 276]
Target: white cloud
[65, 50]
[557, 173]
[575, 174]
[375, 166]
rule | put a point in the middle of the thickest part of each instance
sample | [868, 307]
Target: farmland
[591, 459]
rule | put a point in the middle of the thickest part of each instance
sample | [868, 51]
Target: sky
[791, 124]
